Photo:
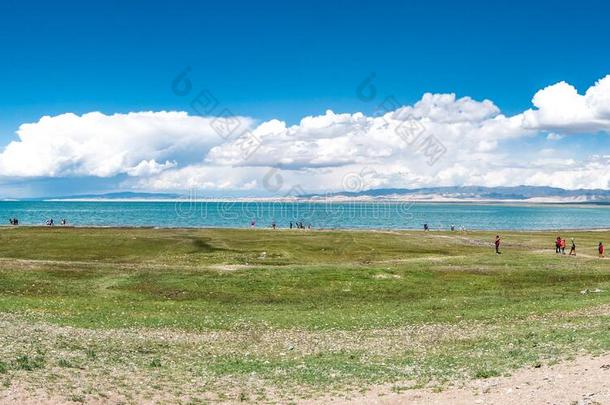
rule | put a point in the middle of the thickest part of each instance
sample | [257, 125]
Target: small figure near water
[452, 228]
[253, 223]
[497, 243]
[601, 249]
[273, 225]
[562, 245]
[290, 224]
[573, 248]
[13, 221]
[63, 222]
[50, 222]
[558, 245]
[426, 228]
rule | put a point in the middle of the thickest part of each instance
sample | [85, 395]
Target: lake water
[319, 215]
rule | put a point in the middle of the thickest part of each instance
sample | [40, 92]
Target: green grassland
[185, 315]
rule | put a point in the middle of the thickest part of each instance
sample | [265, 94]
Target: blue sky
[283, 60]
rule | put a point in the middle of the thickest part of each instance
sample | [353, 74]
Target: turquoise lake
[376, 215]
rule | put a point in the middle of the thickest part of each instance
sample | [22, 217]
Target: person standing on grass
[601, 249]
[497, 243]
[558, 245]
[563, 246]
[573, 248]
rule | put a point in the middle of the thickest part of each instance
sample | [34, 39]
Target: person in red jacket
[601, 249]
[497, 243]
[558, 245]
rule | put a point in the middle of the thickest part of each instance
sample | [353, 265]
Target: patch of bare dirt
[585, 380]
[579, 254]
[231, 267]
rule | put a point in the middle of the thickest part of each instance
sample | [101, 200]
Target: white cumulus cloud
[478, 145]
[560, 108]
[100, 145]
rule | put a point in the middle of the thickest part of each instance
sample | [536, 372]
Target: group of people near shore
[292, 225]
[299, 225]
[560, 247]
[452, 228]
[50, 222]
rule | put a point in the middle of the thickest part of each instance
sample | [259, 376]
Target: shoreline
[283, 229]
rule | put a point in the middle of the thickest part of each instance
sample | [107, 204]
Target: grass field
[125, 315]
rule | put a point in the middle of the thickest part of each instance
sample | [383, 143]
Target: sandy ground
[584, 381]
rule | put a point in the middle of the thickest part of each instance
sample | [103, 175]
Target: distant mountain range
[430, 194]
[478, 193]
[125, 195]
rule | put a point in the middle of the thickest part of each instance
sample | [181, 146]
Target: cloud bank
[176, 151]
